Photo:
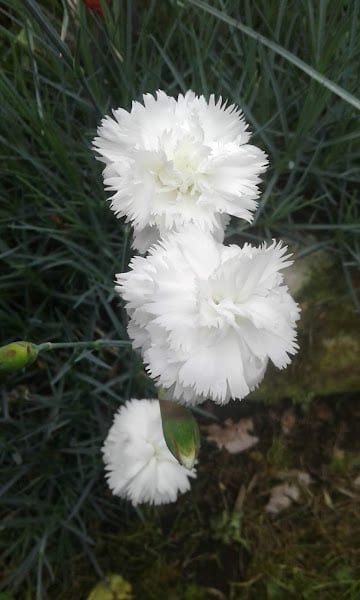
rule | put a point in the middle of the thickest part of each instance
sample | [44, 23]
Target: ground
[220, 540]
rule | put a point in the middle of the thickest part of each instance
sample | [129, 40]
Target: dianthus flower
[94, 5]
[170, 163]
[140, 466]
[207, 317]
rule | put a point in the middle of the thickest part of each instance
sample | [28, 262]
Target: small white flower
[208, 317]
[173, 162]
[140, 466]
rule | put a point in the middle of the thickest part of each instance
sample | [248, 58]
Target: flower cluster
[206, 317]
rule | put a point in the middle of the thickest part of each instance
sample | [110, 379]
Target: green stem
[94, 345]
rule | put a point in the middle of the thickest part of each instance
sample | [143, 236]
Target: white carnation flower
[140, 466]
[208, 317]
[174, 162]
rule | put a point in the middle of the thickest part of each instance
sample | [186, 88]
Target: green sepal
[181, 431]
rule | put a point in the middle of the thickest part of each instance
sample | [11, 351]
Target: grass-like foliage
[292, 67]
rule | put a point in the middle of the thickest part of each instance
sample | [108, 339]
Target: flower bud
[16, 355]
[181, 431]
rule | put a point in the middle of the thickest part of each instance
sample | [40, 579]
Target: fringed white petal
[139, 465]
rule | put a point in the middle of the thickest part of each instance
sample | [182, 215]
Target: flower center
[215, 310]
[177, 167]
[220, 298]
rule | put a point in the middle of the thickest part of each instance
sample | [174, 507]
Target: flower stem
[22, 353]
[91, 345]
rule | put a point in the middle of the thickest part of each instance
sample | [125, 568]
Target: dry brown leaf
[288, 420]
[235, 437]
[295, 475]
[281, 497]
[284, 494]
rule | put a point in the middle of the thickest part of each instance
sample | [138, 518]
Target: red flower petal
[93, 5]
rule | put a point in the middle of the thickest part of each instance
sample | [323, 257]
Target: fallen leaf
[295, 475]
[235, 437]
[288, 420]
[284, 494]
[281, 497]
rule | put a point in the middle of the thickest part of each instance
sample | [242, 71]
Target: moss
[278, 456]
[114, 587]
[329, 340]
[342, 461]
[194, 592]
